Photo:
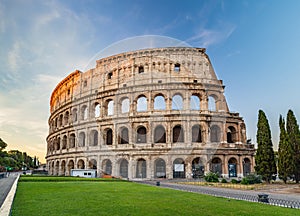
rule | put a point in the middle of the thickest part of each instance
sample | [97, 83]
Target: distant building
[153, 113]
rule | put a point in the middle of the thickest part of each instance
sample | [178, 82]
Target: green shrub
[251, 179]
[234, 181]
[211, 177]
[224, 180]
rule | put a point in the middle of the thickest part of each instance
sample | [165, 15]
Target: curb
[7, 204]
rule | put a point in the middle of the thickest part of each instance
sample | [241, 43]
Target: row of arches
[179, 168]
[141, 104]
[140, 135]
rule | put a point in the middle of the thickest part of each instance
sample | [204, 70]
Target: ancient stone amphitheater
[152, 113]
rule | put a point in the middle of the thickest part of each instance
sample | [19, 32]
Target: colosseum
[146, 114]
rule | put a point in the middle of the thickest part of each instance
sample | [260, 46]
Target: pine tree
[264, 158]
[285, 153]
[293, 132]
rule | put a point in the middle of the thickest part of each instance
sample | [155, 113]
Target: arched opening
[194, 102]
[97, 110]
[246, 166]
[178, 168]
[215, 133]
[74, 115]
[160, 134]
[84, 112]
[109, 137]
[124, 168]
[125, 105]
[123, 136]
[92, 164]
[80, 164]
[159, 103]
[232, 167]
[178, 134]
[72, 140]
[110, 107]
[60, 120]
[197, 168]
[81, 139]
[177, 102]
[56, 168]
[141, 135]
[231, 134]
[141, 169]
[107, 167]
[177, 67]
[70, 165]
[216, 166]
[66, 118]
[211, 103]
[64, 142]
[141, 104]
[57, 144]
[196, 134]
[93, 138]
[63, 168]
[160, 168]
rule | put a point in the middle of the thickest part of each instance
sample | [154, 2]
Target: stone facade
[153, 113]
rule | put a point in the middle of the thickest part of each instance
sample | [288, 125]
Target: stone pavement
[7, 192]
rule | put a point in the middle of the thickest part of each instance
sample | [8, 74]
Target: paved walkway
[7, 192]
[287, 200]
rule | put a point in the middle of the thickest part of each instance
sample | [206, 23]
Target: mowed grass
[64, 197]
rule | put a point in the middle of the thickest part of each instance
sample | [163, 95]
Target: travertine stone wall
[154, 113]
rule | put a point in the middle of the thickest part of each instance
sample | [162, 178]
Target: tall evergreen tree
[285, 153]
[264, 158]
[293, 132]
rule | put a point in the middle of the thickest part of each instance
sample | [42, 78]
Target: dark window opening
[196, 134]
[109, 137]
[109, 75]
[141, 135]
[141, 69]
[160, 135]
[124, 138]
[178, 135]
[177, 67]
[84, 83]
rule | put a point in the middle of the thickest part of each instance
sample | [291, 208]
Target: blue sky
[253, 45]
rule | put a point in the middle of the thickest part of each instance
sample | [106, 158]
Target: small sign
[179, 167]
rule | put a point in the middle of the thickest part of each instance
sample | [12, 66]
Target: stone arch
[108, 136]
[123, 168]
[66, 118]
[97, 110]
[178, 134]
[178, 168]
[64, 142]
[196, 133]
[198, 168]
[141, 168]
[159, 134]
[141, 134]
[80, 164]
[231, 134]
[63, 168]
[177, 102]
[70, 165]
[159, 102]
[109, 107]
[195, 102]
[60, 120]
[125, 105]
[246, 166]
[72, 140]
[74, 115]
[232, 167]
[212, 102]
[123, 136]
[57, 144]
[84, 112]
[92, 164]
[56, 172]
[107, 167]
[216, 166]
[141, 103]
[215, 133]
[93, 138]
[81, 137]
[159, 168]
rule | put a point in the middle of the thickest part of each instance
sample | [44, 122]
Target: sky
[253, 46]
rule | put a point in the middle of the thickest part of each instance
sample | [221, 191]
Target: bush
[211, 177]
[224, 180]
[251, 179]
[234, 181]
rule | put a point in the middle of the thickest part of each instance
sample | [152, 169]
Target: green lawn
[104, 197]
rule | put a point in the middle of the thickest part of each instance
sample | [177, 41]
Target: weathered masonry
[153, 113]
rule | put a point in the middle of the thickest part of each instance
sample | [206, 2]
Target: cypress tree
[264, 158]
[293, 132]
[285, 153]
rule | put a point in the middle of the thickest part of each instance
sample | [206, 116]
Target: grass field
[71, 196]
